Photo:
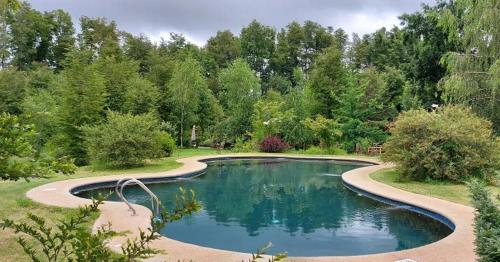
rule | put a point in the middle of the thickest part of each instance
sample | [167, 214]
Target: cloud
[198, 20]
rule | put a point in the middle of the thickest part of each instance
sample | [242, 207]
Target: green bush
[242, 146]
[486, 223]
[450, 143]
[126, 140]
[314, 150]
[167, 143]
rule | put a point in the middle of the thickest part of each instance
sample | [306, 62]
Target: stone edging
[458, 246]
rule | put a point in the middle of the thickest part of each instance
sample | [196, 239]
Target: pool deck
[458, 246]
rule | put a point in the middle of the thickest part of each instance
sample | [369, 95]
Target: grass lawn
[15, 205]
[444, 190]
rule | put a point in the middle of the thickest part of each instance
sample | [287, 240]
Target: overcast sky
[198, 20]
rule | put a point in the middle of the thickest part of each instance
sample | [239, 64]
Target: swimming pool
[301, 206]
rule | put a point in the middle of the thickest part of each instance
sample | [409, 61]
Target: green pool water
[301, 206]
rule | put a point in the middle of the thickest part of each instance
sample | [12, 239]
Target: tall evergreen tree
[82, 93]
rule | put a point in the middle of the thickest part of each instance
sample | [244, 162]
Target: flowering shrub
[273, 144]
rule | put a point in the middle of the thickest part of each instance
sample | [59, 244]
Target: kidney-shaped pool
[301, 206]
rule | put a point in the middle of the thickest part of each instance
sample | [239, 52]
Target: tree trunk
[182, 127]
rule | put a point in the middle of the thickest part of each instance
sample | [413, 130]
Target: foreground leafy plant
[263, 250]
[487, 223]
[71, 240]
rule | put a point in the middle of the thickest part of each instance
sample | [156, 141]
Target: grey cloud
[201, 19]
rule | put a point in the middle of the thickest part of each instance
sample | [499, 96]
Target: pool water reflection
[301, 206]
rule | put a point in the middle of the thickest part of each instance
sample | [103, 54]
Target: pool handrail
[122, 183]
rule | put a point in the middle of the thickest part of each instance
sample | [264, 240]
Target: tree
[138, 48]
[325, 131]
[340, 39]
[425, 43]
[449, 144]
[18, 158]
[99, 36]
[13, 86]
[357, 53]
[63, 39]
[82, 93]
[7, 9]
[316, 39]
[141, 96]
[475, 73]
[184, 89]
[267, 117]
[125, 140]
[328, 81]
[288, 51]
[30, 36]
[257, 46]
[241, 89]
[224, 47]
[364, 110]
[117, 73]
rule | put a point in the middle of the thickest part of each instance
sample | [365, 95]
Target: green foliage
[486, 223]
[186, 88]
[286, 82]
[451, 143]
[267, 118]
[243, 146]
[18, 158]
[126, 140]
[39, 37]
[185, 204]
[240, 89]
[81, 93]
[473, 78]
[141, 96]
[261, 252]
[314, 150]
[328, 81]
[100, 37]
[325, 131]
[166, 142]
[257, 45]
[71, 240]
[224, 47]
[13, 86]
[118, 75]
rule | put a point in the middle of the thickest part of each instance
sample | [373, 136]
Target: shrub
[273, 144]
[126, 140]
[486, 223]
[167, 143]
[242, 146]
[450, 143]
[314, 150]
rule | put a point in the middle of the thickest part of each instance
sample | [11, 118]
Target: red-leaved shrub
[273, 144]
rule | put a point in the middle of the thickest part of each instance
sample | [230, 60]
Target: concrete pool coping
[458, 246]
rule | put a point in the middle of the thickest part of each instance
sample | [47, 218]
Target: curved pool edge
[458, 246]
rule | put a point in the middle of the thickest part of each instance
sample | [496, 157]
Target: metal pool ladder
[122, 183]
